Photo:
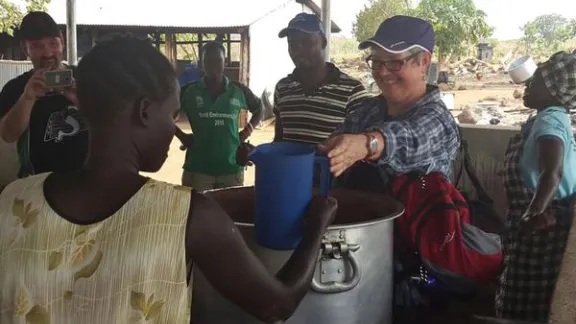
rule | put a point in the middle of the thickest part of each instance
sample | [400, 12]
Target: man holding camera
[38, 108]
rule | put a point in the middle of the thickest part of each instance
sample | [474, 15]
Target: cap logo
[397, 44]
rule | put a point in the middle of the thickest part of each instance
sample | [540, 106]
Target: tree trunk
[442, 61]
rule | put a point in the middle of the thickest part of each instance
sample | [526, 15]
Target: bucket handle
[325, 176]
[334, 286]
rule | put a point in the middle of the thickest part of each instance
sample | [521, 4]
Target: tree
[457, 24]
[11, 14]
[548, 33]
[373, 14]
[530, 39]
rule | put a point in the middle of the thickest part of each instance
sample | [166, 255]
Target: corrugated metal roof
[167, 13]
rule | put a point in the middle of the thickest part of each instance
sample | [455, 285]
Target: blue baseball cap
[306, 23]
[399, 34]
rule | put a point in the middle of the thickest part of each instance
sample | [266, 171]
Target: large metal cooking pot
[353, 279]
[522, 69]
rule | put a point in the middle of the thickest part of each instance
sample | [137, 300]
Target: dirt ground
[172, 169]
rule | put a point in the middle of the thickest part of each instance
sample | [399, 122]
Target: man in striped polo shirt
[314, 100]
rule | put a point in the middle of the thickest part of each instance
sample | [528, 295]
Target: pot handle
[338, 287]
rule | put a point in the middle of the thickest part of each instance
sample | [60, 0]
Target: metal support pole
[71, 40]
[327, 21]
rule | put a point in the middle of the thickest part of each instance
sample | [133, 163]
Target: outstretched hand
[343, 151]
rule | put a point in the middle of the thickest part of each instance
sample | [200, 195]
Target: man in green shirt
[212, 105]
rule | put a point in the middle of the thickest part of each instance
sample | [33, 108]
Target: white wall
[269, 59]
[487, 146]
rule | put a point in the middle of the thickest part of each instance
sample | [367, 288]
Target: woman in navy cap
[408, 127]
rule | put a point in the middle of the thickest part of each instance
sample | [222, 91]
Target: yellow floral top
[129, 268]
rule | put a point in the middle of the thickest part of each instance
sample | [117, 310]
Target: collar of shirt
[202, 84]
[527, 126]
[432, 95]
[332, 75]
[374, 110]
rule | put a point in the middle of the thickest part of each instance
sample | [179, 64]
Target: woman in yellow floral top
[106, 245]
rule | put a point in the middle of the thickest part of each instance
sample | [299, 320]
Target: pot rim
[399, 211]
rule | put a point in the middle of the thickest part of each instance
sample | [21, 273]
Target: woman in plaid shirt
[539, 185]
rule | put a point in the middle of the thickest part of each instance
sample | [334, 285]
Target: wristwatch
[371, 145]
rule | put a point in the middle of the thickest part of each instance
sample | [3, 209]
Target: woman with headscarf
[540, 181]
[107, 245]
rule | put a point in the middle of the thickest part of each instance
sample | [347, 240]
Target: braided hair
[119, 71]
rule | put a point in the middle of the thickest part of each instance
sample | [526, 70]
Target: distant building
[485, 51]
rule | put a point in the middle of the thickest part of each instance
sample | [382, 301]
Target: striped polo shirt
[312, 117]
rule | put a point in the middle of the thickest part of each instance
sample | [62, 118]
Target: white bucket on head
[448, 98]
[522, 69]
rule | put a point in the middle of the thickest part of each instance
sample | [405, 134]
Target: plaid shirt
[425, 139]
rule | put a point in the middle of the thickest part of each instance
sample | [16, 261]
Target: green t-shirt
[214, 123]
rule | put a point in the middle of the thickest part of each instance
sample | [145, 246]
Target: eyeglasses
[391, 65]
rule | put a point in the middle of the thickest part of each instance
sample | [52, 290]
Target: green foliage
[187, 52]
[37, 5]
[341, 48]
[547, 33]
[373, 14]
[457, 25]
[11, 14]
[493, 42]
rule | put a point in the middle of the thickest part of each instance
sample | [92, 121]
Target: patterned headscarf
[559, 74]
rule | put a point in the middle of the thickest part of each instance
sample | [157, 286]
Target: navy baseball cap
[306, 23]
[399, 34]
[37, 25]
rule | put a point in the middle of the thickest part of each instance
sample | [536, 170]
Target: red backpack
[436, 233]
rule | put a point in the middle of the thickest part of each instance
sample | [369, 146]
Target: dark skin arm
[185, 139]
[256, 118]
[277, 129]
[278, 136]
[255, 107]
[252, 124]
[550, 153]
[180, 134]
[216, 246]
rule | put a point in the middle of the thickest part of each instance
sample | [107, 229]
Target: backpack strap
[470, 172]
